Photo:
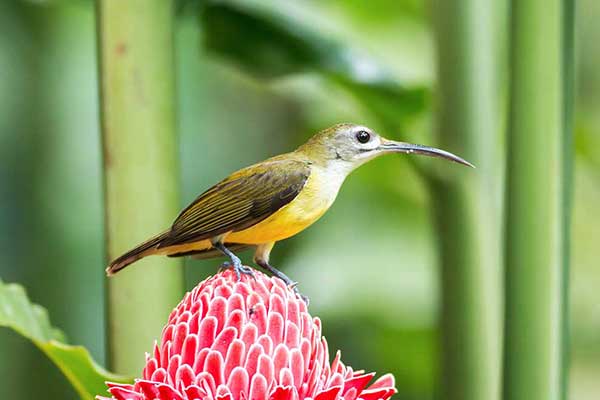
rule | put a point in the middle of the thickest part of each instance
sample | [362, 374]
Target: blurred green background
[382, 314]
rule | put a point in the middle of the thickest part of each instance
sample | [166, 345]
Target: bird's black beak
[409, 148]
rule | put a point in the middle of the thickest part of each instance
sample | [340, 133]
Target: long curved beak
[409, 148]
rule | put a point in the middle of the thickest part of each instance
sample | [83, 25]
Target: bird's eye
[363, 136]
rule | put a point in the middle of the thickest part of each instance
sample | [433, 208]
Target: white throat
[332, 177]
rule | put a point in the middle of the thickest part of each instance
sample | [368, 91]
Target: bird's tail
[140, 251]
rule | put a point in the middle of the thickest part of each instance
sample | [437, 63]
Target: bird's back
[240, 201]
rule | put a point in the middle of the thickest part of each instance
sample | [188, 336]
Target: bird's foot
[302, 297]
[289, 282]
[294, 286]
[225, 266]
[238, 268]
[235, 263]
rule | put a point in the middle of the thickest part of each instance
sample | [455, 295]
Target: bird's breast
[317, 195]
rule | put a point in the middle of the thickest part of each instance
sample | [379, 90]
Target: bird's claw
[294, 287]
[238, 268]
[246, 271]
[304, 298]
[225, 266]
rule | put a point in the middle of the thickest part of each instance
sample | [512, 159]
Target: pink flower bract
[247, 340]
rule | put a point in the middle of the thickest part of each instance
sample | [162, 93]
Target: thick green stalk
[135, 41]
[568, 73]
[535, 220]
[466, 202]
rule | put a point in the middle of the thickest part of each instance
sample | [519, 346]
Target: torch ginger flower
[246, 340]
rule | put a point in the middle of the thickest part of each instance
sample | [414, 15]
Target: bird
[272, 200]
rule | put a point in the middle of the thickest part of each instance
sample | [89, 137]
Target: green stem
[135, 42]
[467, 209]
[536, 219]
[568, 64]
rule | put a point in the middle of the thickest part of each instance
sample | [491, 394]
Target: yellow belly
[315, 198]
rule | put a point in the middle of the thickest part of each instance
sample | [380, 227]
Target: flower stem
[135, 42]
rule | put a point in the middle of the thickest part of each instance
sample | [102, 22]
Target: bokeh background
[382, 314]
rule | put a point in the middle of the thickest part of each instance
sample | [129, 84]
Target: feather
[134, 254]
[209, 253]
[243, 199]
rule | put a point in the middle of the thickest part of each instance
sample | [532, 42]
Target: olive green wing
[240, 201]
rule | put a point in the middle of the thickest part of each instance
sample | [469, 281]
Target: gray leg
[277, 273]
[261, 258]
[235, 263]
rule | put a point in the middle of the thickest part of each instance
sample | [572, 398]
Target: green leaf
[392, 105]
[268, 43]
[32, 321]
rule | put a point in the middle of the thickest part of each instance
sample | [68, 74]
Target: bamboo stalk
[537, 218]
[135, 42]
[466, 204]
[568, 73]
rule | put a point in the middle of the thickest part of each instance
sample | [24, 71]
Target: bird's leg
[261, 258]
[224, 265]
[286, 279]
[235, 262]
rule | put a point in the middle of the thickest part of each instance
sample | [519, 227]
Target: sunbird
[273, 200]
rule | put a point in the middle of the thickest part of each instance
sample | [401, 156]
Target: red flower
[247, 340]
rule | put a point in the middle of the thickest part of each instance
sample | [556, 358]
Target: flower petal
[282, 393]
[385, 381]
[214, 366]
[208, 330]
[329, 394]
[218, 309]
[275, 327]
[254, 353]
[258, 388]
[235, 356]
[224, 339]
[358, 382]
[266, 368]
[238, 382]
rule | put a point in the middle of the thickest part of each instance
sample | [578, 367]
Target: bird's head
[350, 146]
